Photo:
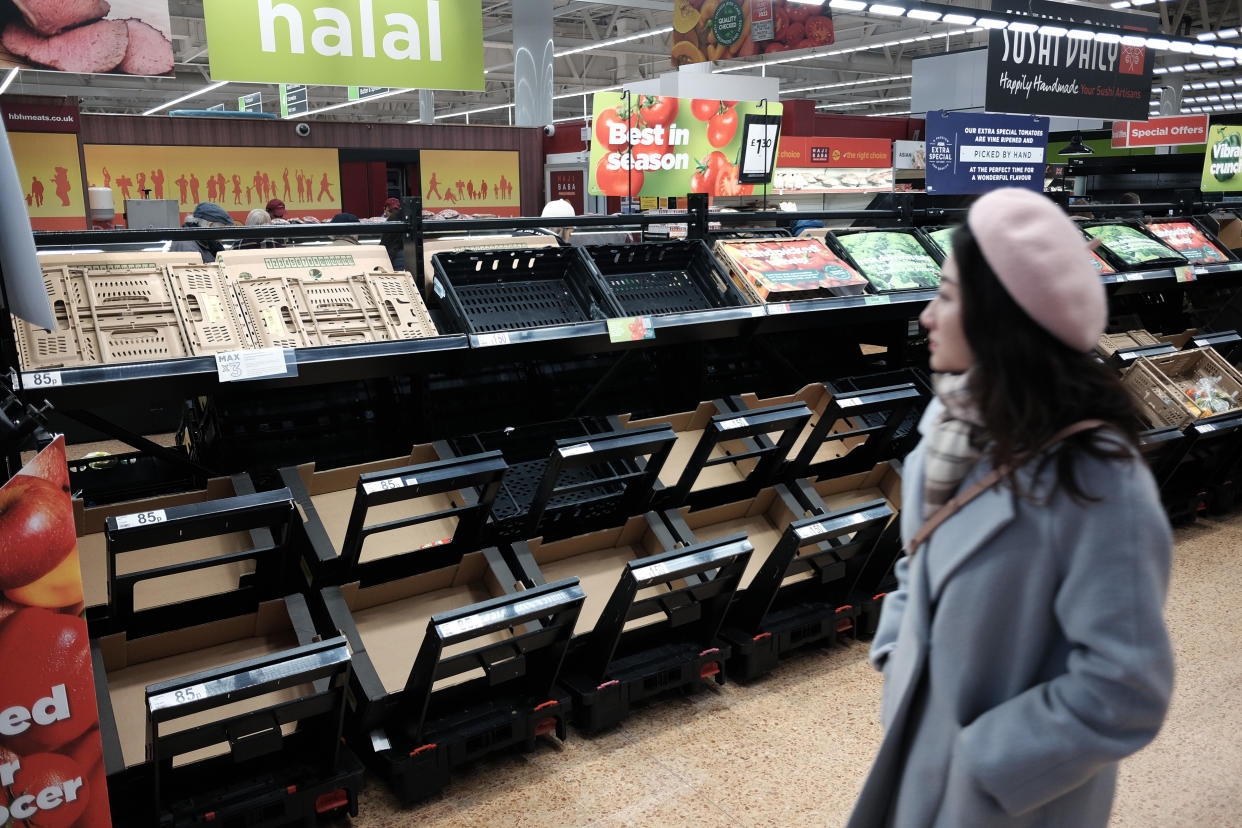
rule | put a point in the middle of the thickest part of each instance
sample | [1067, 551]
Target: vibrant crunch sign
[651, 145]
[1222, 162]
[1160, 132]
[425, 44]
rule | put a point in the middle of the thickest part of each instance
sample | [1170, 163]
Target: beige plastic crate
[111, 295]
[1158, 384]
[268, 306]
[401, 306]
[304, 262]
[208, 309]
[1110, 344]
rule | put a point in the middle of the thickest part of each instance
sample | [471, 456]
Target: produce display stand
[797, 588]
[481, 677]
[664, 278]
[869, 576]
[658, 631]
[722, 456]
[269, 682]
[569, 476]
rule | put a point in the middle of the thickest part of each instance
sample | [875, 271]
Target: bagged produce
[785, 269]
[1189, 240]
[1131, 245]
[943, 239]
[892, 260]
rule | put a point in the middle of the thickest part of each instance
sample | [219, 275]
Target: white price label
[42, 379]
[1207, 427]
[235, 366]
[877, 300]
[188, 694]
[783, 307]
[738, 422]
[849, 401]
[805, 532]
[383, 485]
[1134, 277]
[437, 287]
[581, 448]
[489, 339]
[141, 519]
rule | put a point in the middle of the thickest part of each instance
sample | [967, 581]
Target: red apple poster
[51, 756]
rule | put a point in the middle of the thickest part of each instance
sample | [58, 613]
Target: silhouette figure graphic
[258, 182]
[211, 189]
[301, 186]
[248, 194]
[485, 191]
[107, 177]
[434, 187]
[461, 188]
[324, 188]
[29, 199]
[123, 181]
[449, 197]
[285, 176]
[61, 180]
[222, 185]
[194, 187]
[142, 182]
[181, 185]
[470, 189]
[157, 182]
[36, 189]
[236, 189]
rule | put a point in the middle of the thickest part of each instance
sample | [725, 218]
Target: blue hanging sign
[972, 152]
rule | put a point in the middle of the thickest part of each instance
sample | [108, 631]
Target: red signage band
[1161, 132]
[797, 151]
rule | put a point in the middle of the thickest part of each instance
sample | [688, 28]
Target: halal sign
[940, 153]
[1132, 60]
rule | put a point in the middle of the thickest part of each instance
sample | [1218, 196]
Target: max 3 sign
[426, 44]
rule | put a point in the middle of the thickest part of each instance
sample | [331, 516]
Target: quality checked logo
[1132, 60]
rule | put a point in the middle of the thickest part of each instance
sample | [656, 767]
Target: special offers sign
[425, 44]
[51, 756]
[1161, 132]
[1045, 74]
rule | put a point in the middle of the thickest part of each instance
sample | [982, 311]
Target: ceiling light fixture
[848, 5]
[344, 104]
[886, 10]
[1053, 31]
[1076, 147]
[209, 87]
[991, 23]
[923, 14]
[959, 19]
[1018, 26]
[8, 79]
[615, 41]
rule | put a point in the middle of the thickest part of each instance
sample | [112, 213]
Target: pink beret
[1042, 260]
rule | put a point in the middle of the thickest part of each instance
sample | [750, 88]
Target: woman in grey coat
[1024, 652]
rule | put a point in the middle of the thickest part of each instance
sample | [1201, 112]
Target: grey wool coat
[1024, 653]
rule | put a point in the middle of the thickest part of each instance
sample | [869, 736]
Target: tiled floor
[793, 749]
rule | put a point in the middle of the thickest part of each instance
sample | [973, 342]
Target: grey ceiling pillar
[426, 106]
[533, 58]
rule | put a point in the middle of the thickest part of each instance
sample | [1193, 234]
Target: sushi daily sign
[974, 153]
[425, 44]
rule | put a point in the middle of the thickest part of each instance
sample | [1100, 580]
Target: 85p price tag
[147, 518]
[42, 379]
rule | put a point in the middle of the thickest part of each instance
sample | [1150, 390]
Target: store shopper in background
[206, 214]
[558, 208]
[1024, 651]
[258, 218]
[344, 218]
[394, 243]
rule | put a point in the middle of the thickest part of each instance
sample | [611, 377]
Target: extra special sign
[424, 44]
[1048, 74]
[51, 754]
[974, 153]
[649, 145]
[1161, 132]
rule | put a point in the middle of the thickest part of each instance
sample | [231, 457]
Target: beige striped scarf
[955, 443]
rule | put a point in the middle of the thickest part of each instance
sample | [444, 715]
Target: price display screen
[761, 136]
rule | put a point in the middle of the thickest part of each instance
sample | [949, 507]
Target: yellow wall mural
[47, 165]
[473, 182]
[239, 179]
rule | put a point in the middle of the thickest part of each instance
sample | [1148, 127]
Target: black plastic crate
[664, 277]
[513, 290]
[878, 284]
[906, 436]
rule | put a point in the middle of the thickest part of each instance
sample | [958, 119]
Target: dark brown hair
[1029, 385]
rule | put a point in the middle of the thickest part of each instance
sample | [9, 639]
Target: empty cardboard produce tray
[401, 307]
[511, 290]
[208, 308]
[93, 553]
[271, 312]
[664, 277]
[1110, 344]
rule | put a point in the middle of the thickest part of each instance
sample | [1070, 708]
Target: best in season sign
[648, 145]
[424, 44]
[974, 153]
[51, 754]
[1040, 73]
[1160, 132]
[1222, 163]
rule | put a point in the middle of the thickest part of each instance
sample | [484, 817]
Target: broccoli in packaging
[1131, 246]
[892, 260]
[943, 239]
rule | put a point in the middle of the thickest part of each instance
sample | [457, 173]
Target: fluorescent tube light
[959, 19]
[886, 10]
[923, 14]
[209, 87]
